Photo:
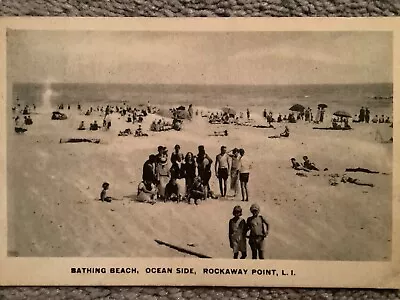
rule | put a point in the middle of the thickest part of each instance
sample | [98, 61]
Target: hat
[254, 207]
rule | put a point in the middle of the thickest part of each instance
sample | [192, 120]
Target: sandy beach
[53, 191]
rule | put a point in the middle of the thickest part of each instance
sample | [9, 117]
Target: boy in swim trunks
[258, 227]
[222, 167]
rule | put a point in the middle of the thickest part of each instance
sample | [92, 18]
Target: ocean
[275, 98]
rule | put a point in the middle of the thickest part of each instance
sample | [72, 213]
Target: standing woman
[189, 171]
[235, 165]
[177, 173]
[163, 176]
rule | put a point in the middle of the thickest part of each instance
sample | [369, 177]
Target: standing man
[244, 170]
[222, 167]
[361, 117]
[204, 163]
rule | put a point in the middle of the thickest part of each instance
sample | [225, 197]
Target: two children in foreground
[257, 227]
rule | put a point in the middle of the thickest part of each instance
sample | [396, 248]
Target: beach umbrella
[341, 113]
[297, 107]
[322, 105]
[229, 111]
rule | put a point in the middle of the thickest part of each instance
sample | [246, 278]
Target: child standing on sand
[258, 227]
[237, 233]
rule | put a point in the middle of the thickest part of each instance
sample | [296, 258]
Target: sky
[239, 58]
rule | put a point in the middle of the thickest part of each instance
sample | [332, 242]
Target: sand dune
[53, 187]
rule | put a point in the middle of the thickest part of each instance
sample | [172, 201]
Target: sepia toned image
[158, 144]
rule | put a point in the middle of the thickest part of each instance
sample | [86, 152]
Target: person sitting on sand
[147, 192]
[279, 118]
[138, 131]
[237, 233]
[126, 132]
[82, 126]
[375, 119]
[297, 166]
[387, 120]
[285, 133]
[103, 194]
[197, 191]
[308, 164]
[291, 118]
[94, 126]
[172, 191]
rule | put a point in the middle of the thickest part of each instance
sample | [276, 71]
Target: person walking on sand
[222, 167]
[248, 114]
[244, 171]
[259, 228]
[234, 172]
[237, 233]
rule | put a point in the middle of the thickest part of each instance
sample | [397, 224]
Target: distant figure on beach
[103, 194]
[248, 114]
[221, 133]
[94, 126]
[297, 166]
[265, 113]
[361, 116]
[382, 119]
[387, 121]
[244, 171]
[222, 167]
[237, 233]
[69, 107]
[197, 191]
[375, 119]
[367, 115]
[147, 192]
[279, 118]
[348, 179]
[284, 134]
[308, 164]
[258, 227]
[190, 112]
[79, 106]
[321, 115]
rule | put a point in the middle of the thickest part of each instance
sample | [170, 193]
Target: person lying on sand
[139, 132]
[82, 126]
[347, 179]
[126, 132]
[147, 192]
[297, 166]
[309, 165]
[103, 194]
[221, 133]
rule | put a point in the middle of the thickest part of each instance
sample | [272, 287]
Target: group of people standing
[186, 177]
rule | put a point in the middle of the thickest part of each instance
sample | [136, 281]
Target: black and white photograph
[233, 145]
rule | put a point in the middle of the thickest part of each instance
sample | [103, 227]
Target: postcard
[200, 152]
